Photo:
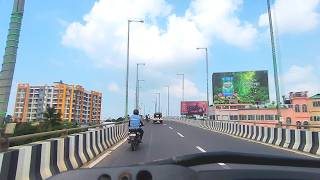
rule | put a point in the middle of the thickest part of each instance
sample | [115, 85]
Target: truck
[157, 118]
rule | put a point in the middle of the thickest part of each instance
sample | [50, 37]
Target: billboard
[240, 87]
[194, 108]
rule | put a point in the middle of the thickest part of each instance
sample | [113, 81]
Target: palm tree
[52, 116]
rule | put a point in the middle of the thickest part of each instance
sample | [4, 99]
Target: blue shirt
[135, 122]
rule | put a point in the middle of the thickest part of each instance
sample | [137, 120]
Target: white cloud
[103, 34]
[294, 15]
[191, 92]
[166, 48]
[301, 78]
[113, 87]
[218, 18]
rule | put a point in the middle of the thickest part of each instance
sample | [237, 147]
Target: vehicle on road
[157, 118]
[134, 139]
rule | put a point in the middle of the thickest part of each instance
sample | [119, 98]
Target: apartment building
[72, 101]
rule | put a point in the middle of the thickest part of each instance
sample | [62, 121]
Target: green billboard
[240, 87]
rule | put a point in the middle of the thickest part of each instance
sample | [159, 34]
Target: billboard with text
[240, 87]
[194, 108]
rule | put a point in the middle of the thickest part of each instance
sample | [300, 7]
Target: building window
[315, 118]
[233, 117]
[316, 103]
[297, 108]
[304, 108]
[269, 117]
[243, 117]
[259, 117]
[251, 117]
[288, 120]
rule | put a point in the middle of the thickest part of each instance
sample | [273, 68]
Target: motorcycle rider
[135, 123]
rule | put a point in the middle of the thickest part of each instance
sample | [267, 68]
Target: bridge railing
[43, 159]
[261, 123]
[28, 138]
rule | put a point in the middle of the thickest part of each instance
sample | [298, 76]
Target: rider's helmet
[136, 112]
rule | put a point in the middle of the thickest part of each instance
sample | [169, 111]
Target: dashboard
[176, 172]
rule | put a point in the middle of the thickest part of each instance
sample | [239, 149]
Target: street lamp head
[135, 20]
[201, 48]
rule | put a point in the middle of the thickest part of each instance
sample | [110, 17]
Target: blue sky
[85, 43]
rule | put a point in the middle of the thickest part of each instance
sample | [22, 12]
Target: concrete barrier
[299, 140]
[43, 159]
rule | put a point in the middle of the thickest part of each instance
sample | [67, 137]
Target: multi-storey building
[315, 108]
[72, 101]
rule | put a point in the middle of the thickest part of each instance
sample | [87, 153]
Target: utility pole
[155, 106]
[138, 92]
[137, 84]
[207, 76]
[181, 74]
[127, 72]
[159, 101]
[168, 111]
[274, 58]
[10, 57]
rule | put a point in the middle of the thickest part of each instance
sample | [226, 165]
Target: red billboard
[194, 108]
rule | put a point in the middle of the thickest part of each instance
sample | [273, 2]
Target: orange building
[72, 101]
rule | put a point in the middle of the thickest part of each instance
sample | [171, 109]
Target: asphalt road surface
[170, 139]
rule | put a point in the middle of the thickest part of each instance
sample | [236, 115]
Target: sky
[85, 43]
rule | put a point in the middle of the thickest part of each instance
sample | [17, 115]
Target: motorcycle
[134, 138]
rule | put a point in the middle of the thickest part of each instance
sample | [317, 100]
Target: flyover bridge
[107, 147]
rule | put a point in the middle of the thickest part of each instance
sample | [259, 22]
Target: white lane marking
[200, 149]
[180, 134]
[170, 127]
[164, 124]
[224, 166]
[107, 153]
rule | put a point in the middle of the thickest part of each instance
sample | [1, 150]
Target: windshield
[203, 76]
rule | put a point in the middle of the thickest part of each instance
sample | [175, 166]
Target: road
[173, 139]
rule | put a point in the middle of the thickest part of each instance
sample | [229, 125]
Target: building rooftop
[317, 96]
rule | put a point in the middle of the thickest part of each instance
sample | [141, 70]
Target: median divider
[301, 140]
[43, 159]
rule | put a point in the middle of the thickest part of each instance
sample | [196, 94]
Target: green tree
[52, 116]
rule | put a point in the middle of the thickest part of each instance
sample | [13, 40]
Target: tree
[52, 116]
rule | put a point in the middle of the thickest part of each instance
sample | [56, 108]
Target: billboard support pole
[274, 57]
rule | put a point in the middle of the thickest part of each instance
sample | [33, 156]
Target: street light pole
[139, 87]
[155, 106]
[181, 74]
[137, 84]
[159, 100]
[274, 58]
[127, 72]
[168, 112]
[207, 75]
